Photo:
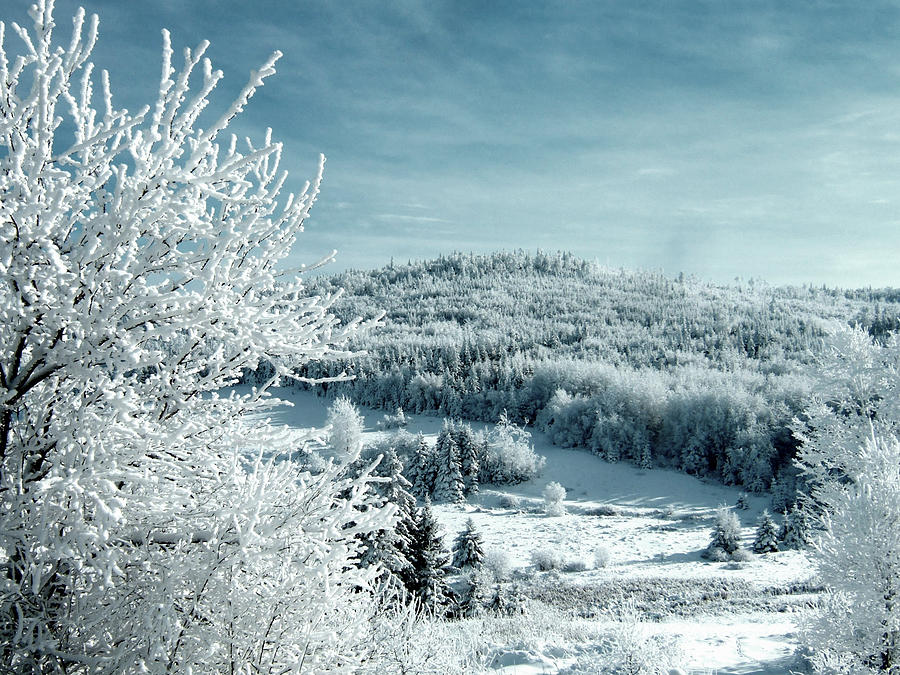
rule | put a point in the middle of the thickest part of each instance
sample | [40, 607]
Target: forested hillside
[633, 365]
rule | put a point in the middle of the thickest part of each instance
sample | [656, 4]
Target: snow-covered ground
[736, 618]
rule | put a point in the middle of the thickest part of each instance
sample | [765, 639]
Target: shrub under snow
[508, 455]
[554, 494]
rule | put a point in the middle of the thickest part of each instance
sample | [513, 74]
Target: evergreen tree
[392, 548]
[468, 548]
[646, 458]
[468, 456]
[449, 485]
[423, 472]
[508, 600]
[726, 535]
[794, 532]
[476, 594]
[766, 535]
[429, 559]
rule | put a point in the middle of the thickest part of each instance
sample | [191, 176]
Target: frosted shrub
[508, 455]
[545, 560]
[576, 565]
[508, 501]
[398, 420]
[602, 557]
[346, 426]
[632, 651]
[554, 494]
[497, 561]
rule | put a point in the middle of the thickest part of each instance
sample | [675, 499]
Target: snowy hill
[636, 366]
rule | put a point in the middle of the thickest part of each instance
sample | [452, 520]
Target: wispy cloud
[716, 138]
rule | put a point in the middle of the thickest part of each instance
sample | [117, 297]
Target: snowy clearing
[649, 528]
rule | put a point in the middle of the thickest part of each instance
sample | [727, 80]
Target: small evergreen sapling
[766, 535]
[726, 536]
[468, 548]
[508, 600]
[477, 592]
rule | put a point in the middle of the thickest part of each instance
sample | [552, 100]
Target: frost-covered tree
[469, 451]
[423, 470]
[146, 524]
[766, 540]
[449, 485]
[726, 535]
[858, 553]
[468, 547]
[429, 559]
[851, 459]
[508, 455]
[345, 427]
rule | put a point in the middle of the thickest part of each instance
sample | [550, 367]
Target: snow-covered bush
[602, 557]
[508, 501]
[398, 420]
[554, 494]
[575, 565]
[508, 455]
[147, 524]
[345, 428]
[545, 560]
[632, 650]
[497, 561]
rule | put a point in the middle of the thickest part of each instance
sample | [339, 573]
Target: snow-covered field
[652, 525]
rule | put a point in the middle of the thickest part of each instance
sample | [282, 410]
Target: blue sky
[721, 139]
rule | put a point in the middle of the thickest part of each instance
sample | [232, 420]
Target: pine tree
[423, 472]
[391, 548]
[429, 559]
[476, 594]
[646, 458]
[766, 535]
[468, 548]
[468, 456]
[449, 482]
[726, 535]
[795, 532]
[508, 600]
